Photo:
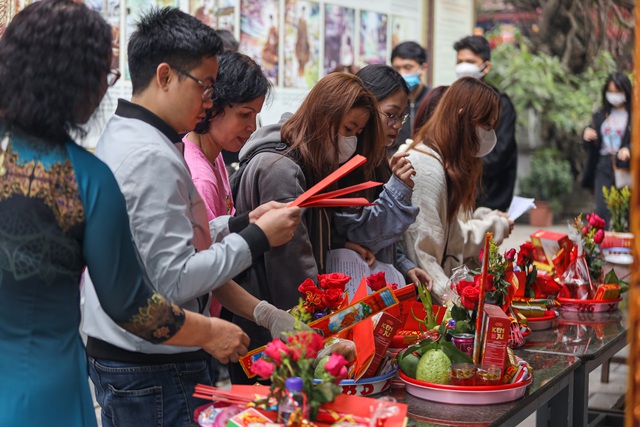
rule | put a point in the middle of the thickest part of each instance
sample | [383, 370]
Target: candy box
[248, 417]
[551, 250]
[495, 335]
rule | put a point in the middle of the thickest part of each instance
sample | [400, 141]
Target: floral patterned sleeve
[111, 258]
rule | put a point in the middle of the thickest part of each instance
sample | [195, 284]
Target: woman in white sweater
[446, 155]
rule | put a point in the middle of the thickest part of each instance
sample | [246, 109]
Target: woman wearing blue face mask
[447, 154]
[608, 141]
[338, 118]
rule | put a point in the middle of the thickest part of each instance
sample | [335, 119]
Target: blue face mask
[412, 80]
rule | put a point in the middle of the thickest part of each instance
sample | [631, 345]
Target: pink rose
[595, 221]
[599, 236]
[335, 364]
[306, 342]
[275, 350]
[262, 368]
[377, 281]
[333, 281]
[510, 255]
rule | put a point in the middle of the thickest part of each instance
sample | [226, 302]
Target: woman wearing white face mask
[338, 118]
[608, 140]
[447, 156]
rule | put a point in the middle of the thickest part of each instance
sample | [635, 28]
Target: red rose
[333, 281]
[595, 221]
[377, 281]
[306, 343]
[477, 280]
[331, 298]
[312, 296]
[599, 236]
[510, 255]
[469, 298]
[525, 256]
[585, 230]
[461, 285]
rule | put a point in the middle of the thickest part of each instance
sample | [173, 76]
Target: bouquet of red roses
[320, 300]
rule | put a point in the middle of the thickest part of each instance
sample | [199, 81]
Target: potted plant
[549, 181]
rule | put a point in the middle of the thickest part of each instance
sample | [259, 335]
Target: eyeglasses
[113, 77]
[394, 119]
[208, 89]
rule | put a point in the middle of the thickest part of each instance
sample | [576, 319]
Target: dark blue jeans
[133, 395]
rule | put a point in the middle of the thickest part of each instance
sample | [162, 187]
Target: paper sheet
[520, 205]
[349, 262]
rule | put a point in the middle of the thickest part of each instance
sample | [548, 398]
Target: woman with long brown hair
[447, 155]
[338, 119]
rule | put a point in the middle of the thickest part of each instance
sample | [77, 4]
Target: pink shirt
[210, 180]
[212, 183]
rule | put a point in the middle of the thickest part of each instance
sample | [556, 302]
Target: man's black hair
[476, 44]
[229, 42]
[410, 50]
[172, 36]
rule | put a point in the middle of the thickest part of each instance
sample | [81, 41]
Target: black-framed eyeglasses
[394, 119]
[208, 89]
[113, 77]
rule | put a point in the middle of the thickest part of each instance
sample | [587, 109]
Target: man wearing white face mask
[500, 166]
[410, 60]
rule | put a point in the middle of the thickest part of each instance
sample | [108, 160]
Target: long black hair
[621, 82]
[54, 59]
[382, 80]
[240, 80]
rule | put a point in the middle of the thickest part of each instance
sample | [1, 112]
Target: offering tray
[587, 305]
[367, 386]
[542, 323]
[465, 395]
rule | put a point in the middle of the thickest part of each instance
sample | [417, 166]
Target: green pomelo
[434, 367]
[409, 364]
[317, 373]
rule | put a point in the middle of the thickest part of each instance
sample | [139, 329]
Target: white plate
[367, 386]
[621, 259]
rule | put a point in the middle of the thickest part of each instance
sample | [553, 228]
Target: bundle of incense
[311, 198]
[216, 394]
[477, 343]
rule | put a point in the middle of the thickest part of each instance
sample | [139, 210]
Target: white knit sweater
[427, 239]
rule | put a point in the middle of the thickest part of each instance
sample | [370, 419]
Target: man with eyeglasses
[173, 65]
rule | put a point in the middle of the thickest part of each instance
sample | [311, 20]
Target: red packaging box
[383, 333]
[495, 335]
[613, 239]
[547, 246]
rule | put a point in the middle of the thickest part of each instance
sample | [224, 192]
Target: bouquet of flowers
[322, 299]
[585, 269]
[295, 357]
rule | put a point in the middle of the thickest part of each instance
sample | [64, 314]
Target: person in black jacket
[500, 166]
[608, 140]
[410, 60]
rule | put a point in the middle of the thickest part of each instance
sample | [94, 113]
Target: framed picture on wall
[259, 34]
[301, 44]
[373, 37]
[339, 37]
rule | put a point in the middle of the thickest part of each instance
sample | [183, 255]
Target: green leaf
[459, 313]
[454, 354]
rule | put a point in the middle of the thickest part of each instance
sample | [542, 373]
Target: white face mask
[346, 147]
[615, 98]
[466, 69]
[487, 139]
